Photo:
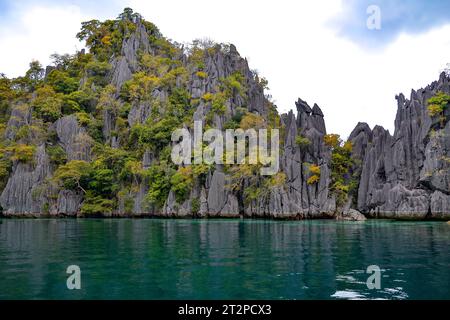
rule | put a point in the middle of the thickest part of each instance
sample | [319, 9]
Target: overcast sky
[320, 51]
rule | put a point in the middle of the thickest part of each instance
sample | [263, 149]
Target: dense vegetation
[343, 182]
[437, 106]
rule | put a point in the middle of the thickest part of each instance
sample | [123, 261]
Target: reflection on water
[223, 259]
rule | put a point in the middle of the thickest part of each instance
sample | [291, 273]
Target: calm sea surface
[223, 259]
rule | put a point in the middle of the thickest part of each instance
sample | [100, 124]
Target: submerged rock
[351, 215]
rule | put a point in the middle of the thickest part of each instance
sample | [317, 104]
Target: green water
[223, 259]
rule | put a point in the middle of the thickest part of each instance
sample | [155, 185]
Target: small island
[90, 136]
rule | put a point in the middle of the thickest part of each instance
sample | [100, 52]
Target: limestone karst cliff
[407, 174]
[91, 136]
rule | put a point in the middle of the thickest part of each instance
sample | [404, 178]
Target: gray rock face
[69, 202]
[276, 205]
[376, 168]
[404, 176]
[220, 201]
[360, 137]
[126, 64]
[435, 173]
[440, 205]
[141, 111]
[407, 175]
[306, 200]
[27, 189]
[74, 139]
[121, 72]
[351, 215]
[20, 116]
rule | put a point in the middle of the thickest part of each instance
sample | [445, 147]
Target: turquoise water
[223, 259]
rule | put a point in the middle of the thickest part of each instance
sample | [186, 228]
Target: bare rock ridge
[406, 175]
[403, 176]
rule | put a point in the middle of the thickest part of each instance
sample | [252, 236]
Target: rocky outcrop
[74, 139]
[403, 176]
[406, 175]
[303, 199]
[360, 138]
[20, 116]
[126, 64]
[351, 215]
[26, 192]
[68, 203]
[220, 201]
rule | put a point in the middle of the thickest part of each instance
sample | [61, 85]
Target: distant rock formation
[406, 175]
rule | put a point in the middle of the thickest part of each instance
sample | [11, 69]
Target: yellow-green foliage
[207, 97]
[202, 74]
[434, 110]
[97, 72]
[218, 103]
[437, 105]
[5, 169]
[182, 182]
[195, 205]
[302, 142]
[196, 57]
[142, 84]
[200, 171]
[62, 82]
[139, 87]
[273, 118]
[47, 104]
[156, 65]
[29, 133]
[332, 140]
[159, 177]
[233, 84]
[313, 180]
[341, 164]
[56, 154]
[154, 134]
[134, 169]
[264, 186]
[73, 175]
[6, 95]
[169, 80]
[165, 69]
[22, 152]
[83, 118]
[277, 180]
[6, 92]
[105, 38]
[252, 120]
[228, 88]
[96, 205]
[241, 172]
[314, 171]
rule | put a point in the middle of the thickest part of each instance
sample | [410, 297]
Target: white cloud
[291, 43]
[38, 33]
